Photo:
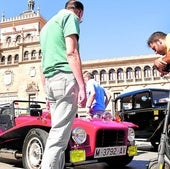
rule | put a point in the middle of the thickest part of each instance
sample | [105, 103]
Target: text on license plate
[110, 151]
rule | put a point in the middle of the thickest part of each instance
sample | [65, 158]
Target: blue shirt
[93, 86]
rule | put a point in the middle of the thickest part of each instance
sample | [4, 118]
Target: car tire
[33, 148]
[118, 161]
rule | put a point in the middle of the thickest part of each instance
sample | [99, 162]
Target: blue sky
[111, 28]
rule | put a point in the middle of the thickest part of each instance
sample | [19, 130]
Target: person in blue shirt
[97, 97]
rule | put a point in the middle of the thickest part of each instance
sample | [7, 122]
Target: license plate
[132, 150]
[77, 156]
[110, 151]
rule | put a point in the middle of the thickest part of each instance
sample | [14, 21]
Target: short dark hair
[74, 4]
[88, 74]
[156, 36]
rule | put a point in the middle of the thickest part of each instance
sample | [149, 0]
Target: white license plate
[110, 151]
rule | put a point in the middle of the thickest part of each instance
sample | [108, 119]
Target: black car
[146, 108]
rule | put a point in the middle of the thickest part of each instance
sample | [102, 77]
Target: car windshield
[24, 107]
[123, 104]
[127, 103]
[141, 100]
[160, 97]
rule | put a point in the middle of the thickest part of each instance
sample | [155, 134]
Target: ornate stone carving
[32, 87]
[8, 77]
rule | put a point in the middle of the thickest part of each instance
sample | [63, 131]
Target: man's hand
[161, 65]
[82, 98]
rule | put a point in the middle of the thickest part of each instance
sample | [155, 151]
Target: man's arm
[90, 100]
[91, 96]
[160, 65]
[76, 66]
[162, 62]
[107, 98]
[166, 58]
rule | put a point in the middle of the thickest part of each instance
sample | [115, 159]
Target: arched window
[8, 40]
[18, 38]
[112, 74]
[16, 58]
[138, 74]
[147, 72]
[26, 54]
[95, 74]
[120, 74]
[155, 72]
[9, 59]
[129, 73]
[40, 55]
[28, 37]
[103, 76]
[3, 60]
[33, 54]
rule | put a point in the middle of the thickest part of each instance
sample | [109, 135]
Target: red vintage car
[24, 127]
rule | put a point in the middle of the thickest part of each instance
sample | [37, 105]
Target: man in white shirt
[97, 97]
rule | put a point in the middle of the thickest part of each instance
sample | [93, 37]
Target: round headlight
[79, 135]
[131, 134]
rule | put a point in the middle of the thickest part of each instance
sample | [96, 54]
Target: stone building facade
[20, 63]
[20, 56]
[127, 73]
